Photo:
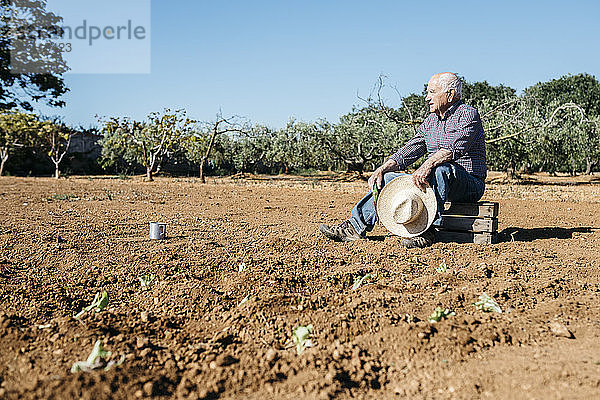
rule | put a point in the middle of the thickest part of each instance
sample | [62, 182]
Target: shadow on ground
[527, 235]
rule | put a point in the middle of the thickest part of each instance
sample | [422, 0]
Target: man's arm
[422, 173]
[468, 129]
[377, 177]
[414, 149]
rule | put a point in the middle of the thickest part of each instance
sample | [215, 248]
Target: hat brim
[403, 186]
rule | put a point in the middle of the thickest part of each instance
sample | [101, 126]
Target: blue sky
[273, 60]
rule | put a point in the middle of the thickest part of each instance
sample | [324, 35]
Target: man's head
[443, 90]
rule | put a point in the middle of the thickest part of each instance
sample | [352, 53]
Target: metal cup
[157, 230]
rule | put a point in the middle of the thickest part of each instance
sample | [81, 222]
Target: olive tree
[31, 60]
[54, 138]
[148, 142]
[200, 142]
[16, 130]
[361, 137]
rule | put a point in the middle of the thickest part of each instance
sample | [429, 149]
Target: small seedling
[64, 197]
[242, 267]
[487, 304]
[359, 280]
[244, 300]
[442, 267]
[99, 303]
[301, 337]
[95, 359]
[439, 314]
[146, 280]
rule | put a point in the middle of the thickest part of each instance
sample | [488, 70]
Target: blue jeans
[449, 181]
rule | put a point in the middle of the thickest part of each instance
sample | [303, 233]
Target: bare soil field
[243, 264]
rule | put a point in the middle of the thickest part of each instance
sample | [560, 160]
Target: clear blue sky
[272, 60]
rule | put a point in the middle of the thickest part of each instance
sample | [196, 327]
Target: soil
[186, 336]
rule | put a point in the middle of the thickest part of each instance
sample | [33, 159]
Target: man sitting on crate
[455, 170]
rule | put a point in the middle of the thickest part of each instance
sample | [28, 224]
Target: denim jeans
[449, 181]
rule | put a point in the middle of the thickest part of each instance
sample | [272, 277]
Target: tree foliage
[53, 137]
[200, 143]
[17, 129]
[552, 126]
[34, 72]
[146, 142]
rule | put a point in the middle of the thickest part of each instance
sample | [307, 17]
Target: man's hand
[376, 179]
[421, 174]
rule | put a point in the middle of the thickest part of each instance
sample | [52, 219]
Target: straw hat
[404, 209]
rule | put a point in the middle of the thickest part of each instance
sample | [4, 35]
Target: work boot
[343, 232]
[425, 239]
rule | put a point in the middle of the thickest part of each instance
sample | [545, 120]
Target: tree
[569, 126]
[568, 141]
[16, 130]
[581, 89]
[54, 138]
[510, 129]
[145, 142]
[251, 149]
[482, 95]
[31, 63]
[199, 145]
[362, 136]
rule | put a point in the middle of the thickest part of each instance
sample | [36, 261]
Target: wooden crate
[469, 223]
[465, 237]
[483, 209]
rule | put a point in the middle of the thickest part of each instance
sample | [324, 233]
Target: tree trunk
[589, 166]
[149, 177]
[202, 162]
[2, 165]
[56, 171]
[3, 158]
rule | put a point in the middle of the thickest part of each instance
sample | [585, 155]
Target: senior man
[455, 169]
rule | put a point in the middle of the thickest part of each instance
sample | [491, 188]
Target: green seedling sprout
[64, 197]
[99, 303]
[301, 336]
[439, 314]
[487, 304]
[94, 360]
[442, 267]
[146, 280]
[358, 281]
[244, 300]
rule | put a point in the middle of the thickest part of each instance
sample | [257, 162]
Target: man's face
[438, 100]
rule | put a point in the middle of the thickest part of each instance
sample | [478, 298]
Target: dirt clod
[560, 330]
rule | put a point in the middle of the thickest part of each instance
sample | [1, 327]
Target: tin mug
[157, 230]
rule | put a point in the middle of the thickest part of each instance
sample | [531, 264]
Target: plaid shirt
[460, 131]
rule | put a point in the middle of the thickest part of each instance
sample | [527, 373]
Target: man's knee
[388, 176]
[443, 171]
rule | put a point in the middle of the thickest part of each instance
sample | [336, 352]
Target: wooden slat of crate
[466, 237]
[481, 209]
[469, 224]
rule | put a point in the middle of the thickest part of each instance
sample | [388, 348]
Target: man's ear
[451, 94]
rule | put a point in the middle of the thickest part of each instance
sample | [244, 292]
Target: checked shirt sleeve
[412, 150]
[468, 129]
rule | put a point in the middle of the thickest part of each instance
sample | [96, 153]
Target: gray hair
[448, 81]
